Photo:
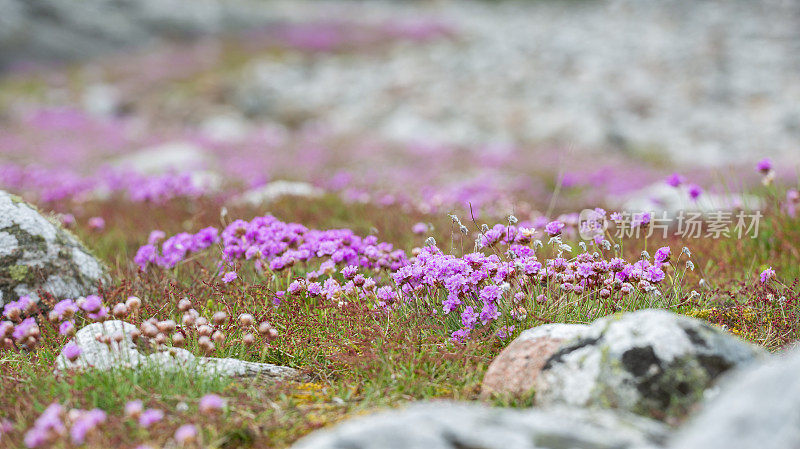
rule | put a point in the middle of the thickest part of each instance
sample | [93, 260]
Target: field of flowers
[383, 272]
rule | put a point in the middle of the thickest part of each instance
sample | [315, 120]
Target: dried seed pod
[166, 326]
[205, 344]
[200, 321]
[118, 337]
[149, 330]
[272, 334]
[160, 339]
[218, 337]
[13, 313]
[120, 310]
[184, 305]
[205, 330]
[133, 303]
[135, 335]
[248, 339]
[264, 328]
[246, 319]
[219, 318]
[178, 340]
[188, 319]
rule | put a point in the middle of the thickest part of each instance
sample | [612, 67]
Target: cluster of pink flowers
[56, 184]
[676, 180]
[19, 331]
[273, 245]
[482, 287]
[53, 423]
[56, 422]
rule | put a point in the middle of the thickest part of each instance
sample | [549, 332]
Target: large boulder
[514, 371]
[127, 354]
[651, 362]
[756, 407]
[37, 254]
[449, 425]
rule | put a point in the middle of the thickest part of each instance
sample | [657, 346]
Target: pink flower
[419, 228]
[695, 191]
[86, 422]
[229, 277]
[186, 433]
[554, 228]
[211, 403]
[662, 254]
[134, 409]
[767, 274]
[764, 165]
[97, 224]
[67, 220]
[66, 328]
[675, 180]
[150, 417]
[72, 352]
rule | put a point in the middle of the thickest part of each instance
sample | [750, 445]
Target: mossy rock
[38, 256]
[651, 362]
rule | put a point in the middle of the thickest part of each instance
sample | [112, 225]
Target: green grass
[355, 361]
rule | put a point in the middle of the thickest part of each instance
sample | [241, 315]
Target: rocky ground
[319, 224]
[700, 82]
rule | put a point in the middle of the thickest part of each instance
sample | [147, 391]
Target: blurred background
[427, 104]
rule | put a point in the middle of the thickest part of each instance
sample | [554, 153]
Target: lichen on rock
[38, 255]
[650, 362]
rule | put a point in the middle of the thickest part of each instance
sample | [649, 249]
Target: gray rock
[36, 253]
[701, 83]
[450, 425]
[514, 371]
[758, 407]
[47, 30]
[126, 354]
[277, 189]
[651, 362]
[164, 158]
